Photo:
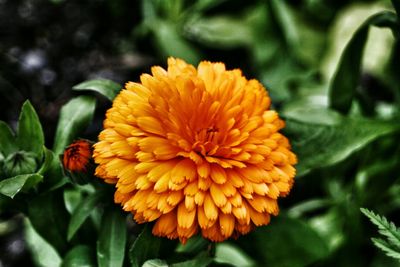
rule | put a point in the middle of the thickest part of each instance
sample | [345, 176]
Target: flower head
[196, 150]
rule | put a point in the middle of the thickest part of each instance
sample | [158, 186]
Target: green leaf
[79, 256]
[49, 217]
[346, 78]
[82, 212]
[319, 145]
[30, 134]
[112, 239]
[386, 228]
[146, 246]
[308, 206]
[217, 31]
[43, 253]
[75, 116]
[155, 263]
[386, 247]
[48, 159]
[233, 255]
[171, 43]
[194, 245]
[105, 87]
[52, 171]
[7, 144]
[202, 260]
[303, 41]
[11, 186]
[286, 242]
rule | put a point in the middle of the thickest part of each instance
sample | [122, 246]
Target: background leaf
[30, 134]
[49, 217]
[82, 212]
[285, 242]
[12, 186]
[75, 116]
[347, 76]
[320, 145]
[233, 255]
[155, 263]
[201, 260]
[104, 87]
[146, 246]
[217, 31]
[112, 239]
[171, 43]
[43, 253]
[79, 256]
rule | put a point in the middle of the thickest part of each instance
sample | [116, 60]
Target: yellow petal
[203, 169]
[218, 174]
[185, 217]
[183, 170]
[202, 219]
[189, 202]
[217, 195]
[175, 197]
[210, 209]
[162, 184]
[165, 225]
[150, 125]
[227, 224]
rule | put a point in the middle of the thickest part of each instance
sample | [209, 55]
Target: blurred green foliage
[342, 116]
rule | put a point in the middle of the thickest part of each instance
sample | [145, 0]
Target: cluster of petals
[196, 150]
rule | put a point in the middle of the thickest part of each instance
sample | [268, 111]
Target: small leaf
[386, 247]
[75, 116]
[146, 246]
[155, 263]
[112, 239]
[79, 256]
[42, 252]
[7, 144]
[30, 134]
[386, 228]
[346, 78]
[82, 212]
[105, 87]
[49, 217]
[11, 186]
[319, 145]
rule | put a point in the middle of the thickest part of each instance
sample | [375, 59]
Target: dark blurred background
[47, 46]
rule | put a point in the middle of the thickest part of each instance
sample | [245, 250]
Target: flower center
[206, 140]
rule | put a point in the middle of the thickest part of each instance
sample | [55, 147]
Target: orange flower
[196, 150]
[77, 156]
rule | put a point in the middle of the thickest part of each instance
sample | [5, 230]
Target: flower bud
[20, 162]
[77, 161]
